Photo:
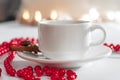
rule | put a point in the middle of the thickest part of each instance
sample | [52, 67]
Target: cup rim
[63, 22]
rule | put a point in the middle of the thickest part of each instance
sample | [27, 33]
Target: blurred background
[9, 9]
[32, 11]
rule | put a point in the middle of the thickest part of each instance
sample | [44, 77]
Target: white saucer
[94, 54]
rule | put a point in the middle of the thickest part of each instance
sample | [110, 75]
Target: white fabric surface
[105, 69]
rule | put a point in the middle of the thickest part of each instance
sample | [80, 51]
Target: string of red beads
[113, 47]
[30, 73]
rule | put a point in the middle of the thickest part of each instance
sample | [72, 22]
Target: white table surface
[105, 69]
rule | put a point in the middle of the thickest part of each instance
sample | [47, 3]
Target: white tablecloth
[105, 69]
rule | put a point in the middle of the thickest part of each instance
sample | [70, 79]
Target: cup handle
[93, 28]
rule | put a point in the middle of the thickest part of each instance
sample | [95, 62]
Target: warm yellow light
[85, 17]
[64, 16]
[38, 16]
[117, 16]
[110, 15]
[53, 15]
[94, 14]
[26, 15]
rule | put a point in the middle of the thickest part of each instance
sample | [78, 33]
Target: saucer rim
[50, 61]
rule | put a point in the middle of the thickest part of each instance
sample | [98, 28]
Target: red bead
[71, 77]
[105, 44]
[25, 69]
[38, 70]
[2, 51]
[55, 72]
[28, 39]
[39, 73]
[112, 46]
[13, 53]
[30, 73]
[24, 74]
[69, 72]
[32, 78]
[45, 68]
[117, 48]
[37, 67]
[37, 79]
[20, 73]
[12, 72]
[30, 68]
[27, 77]
[34, 41]
[5, 44]
[13, 42]
[62, 78]
[48, 72]
[54, 69]
[55, 76]
[62, 72]
[20, 40]
[5, 50]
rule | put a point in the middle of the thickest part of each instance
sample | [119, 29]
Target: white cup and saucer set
[68, 44]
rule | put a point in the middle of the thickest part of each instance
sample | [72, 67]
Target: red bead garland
[113, 47]
[7, 64]
[30, 73]
[38, 70]
[4, 48]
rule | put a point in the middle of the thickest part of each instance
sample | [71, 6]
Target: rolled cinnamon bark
[31, 48]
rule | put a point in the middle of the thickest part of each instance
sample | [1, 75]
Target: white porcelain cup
[67, 39]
